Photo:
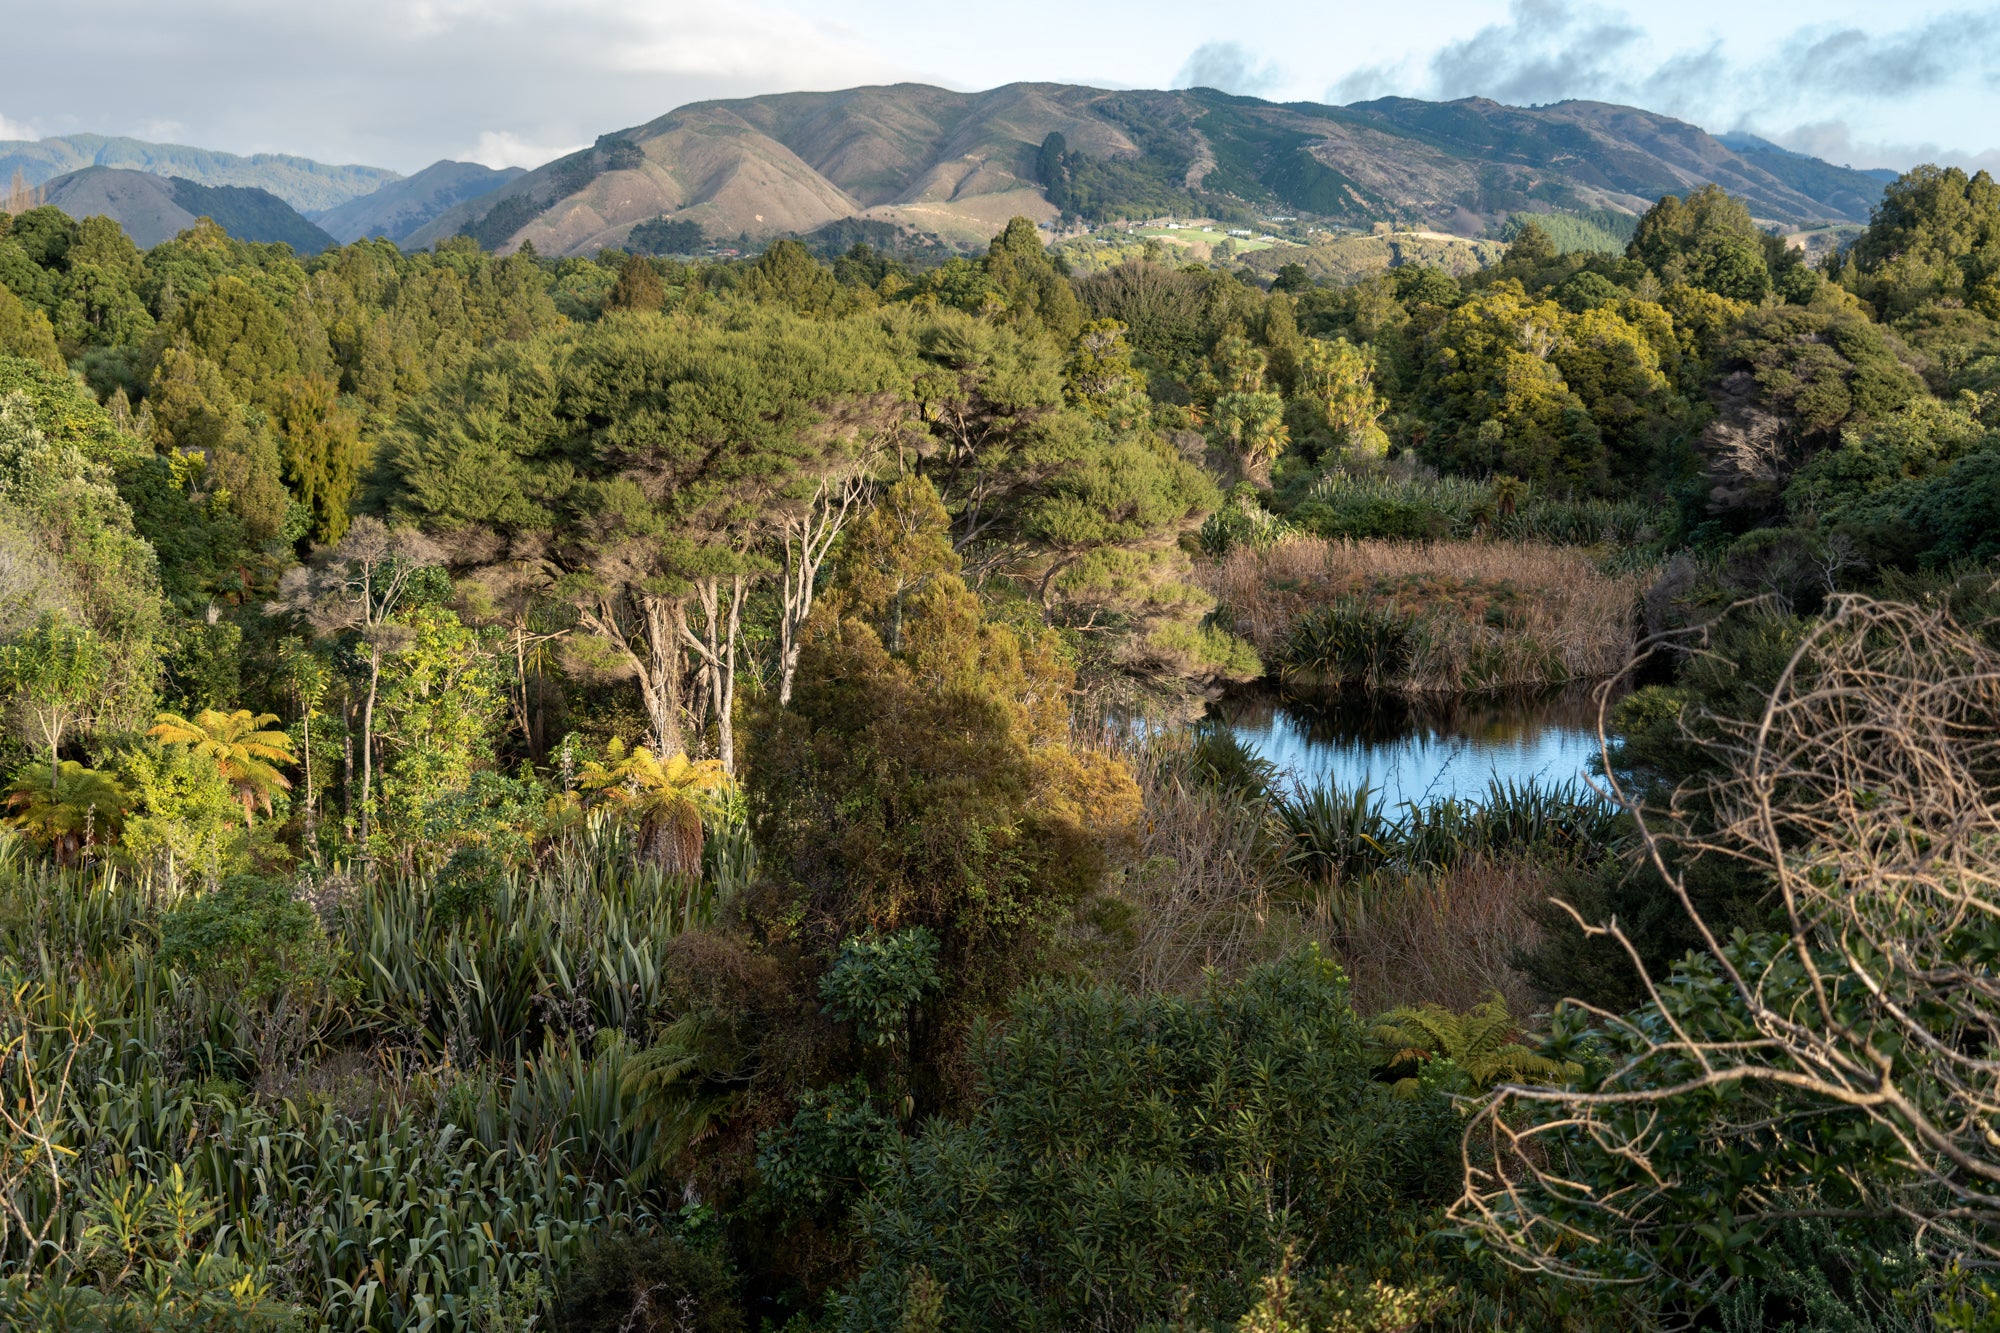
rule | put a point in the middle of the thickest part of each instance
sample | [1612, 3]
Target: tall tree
[322, 451]
[55, 673]
[359, 587]
[638, 287]
[649, 465]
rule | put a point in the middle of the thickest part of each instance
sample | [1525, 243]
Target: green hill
[152, 209]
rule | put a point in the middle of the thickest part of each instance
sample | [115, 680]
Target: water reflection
[1419, 753]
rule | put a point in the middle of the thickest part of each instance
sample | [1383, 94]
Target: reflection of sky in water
[1407, 756]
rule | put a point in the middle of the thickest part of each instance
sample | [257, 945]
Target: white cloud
[1821, 77]
[497, 148]
[1837, 143]
[1228, 67]
[401, 84]
[17, 129]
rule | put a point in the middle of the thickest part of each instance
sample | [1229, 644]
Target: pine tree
[638, 287]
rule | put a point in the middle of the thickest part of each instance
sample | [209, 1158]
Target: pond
[1418, 753]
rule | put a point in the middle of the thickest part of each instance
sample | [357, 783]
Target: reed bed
[1365, 505]
[1445, 936]
[1446, 617]
[1427, 904]
[1210, 860]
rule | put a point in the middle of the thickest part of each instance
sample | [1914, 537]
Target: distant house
[1237, 232]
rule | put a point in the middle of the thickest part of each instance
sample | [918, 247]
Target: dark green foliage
[1821, 371]
[497, 225]
[1596, 230]
[1935, 235]
[877, 981]
[1360, 505]
[663, 237]
[252, 937]
[1823, 1279]
[1334, 835]
[205, 666]
[1137, 1159]
[1417, 285]
[466, 884]
[1171, 316]
[1957, 511]
[626, 1280]
[832, 1154]
[638, 287]
[1104, 189]
[1707, 240]
[251, 214]
[239, 331]
[1219, 758]
[1351, 642]
[619, 152]
[1291, 278]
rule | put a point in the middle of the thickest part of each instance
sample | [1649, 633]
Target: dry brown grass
[1491, 615]
[1201, 893]
[1211, 890]
[1443, 939]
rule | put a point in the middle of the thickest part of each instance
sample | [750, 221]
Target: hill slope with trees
[958, 164]
[402, 206]
[153, 209]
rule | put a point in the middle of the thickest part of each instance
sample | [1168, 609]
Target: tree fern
[1480, 1042]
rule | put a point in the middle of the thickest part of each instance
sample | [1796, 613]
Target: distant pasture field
[1205, 236]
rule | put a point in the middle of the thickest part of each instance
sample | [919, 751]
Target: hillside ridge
[153, 208]
[958, 164]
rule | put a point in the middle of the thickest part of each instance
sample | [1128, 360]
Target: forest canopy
[643, 791]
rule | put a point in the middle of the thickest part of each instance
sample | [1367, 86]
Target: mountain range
[154, 200]
[299, 181]
[957, 165]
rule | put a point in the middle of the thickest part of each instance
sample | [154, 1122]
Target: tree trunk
[808, 539]
[716, 647]
[368, 736]
[726, 685]
[518, 696]
[347, 764]
[662, 685]
[306, 723]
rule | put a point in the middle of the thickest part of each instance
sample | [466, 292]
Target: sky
[402, 83]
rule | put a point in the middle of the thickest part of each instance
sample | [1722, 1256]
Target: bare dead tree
[712, 634]
[1864, 792]
[806, 534]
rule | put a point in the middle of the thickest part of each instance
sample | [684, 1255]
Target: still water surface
[1418, 754]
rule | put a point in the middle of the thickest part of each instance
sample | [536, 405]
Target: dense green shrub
[1138, 1159]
